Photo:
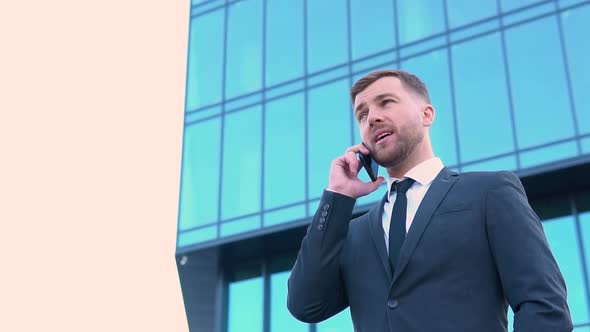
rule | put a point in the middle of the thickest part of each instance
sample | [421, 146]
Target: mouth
[381, 135]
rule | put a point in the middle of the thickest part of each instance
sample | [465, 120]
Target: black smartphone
[369, 165]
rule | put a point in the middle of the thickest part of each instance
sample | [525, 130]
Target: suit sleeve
[530, 277]
[316, 289]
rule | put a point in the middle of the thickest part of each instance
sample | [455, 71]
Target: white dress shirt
[424, 173]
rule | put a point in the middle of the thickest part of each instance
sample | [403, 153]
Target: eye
[361, 116]
[387, 101]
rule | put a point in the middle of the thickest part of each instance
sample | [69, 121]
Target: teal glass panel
[539, 88]
[327, 40]
[576, 24]
[329, 130]
[200, 180]
[244, 48]
[419, 19]
[496, 164]
[284, 151]
[284, 41]
[205, 60]
[483, 108]
[433, 69]
[563, 240]
[197, 236]
[281, 319]
[584, 218]
[586, 145]
[242, 156]
[548, 154]
[240, 225]
[371, 38]
[508, 5]
[339, 323]
[245, 307]
[279, 216]
[463, 12]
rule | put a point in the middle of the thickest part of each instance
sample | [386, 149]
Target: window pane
[205, 60]
[281, 319]
[561, 235]
[508, 5]
[541, 104]
[376, 36]
[244, 48]
[339, 323]
[329, 131]
[241, 163]
[245, 305]
[200, 179]
[433, 69]
[462, 12]
[483, 109]
[548, 154]
[419, 19]
[284, 152]
[576, 24]
[326, 34]
[284, 41]
[585, 228]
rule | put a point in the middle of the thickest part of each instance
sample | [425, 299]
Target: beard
[406, 141]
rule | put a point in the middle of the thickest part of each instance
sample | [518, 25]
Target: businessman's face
[390, 120]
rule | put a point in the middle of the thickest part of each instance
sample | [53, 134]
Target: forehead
[388, 84]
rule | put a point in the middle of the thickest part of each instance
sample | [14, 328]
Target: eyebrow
[376, 99]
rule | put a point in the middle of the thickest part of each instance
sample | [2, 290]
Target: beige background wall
[91, 111]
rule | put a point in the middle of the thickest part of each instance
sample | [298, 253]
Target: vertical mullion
[305, 107]
[508, 83]
[266, 296]
[396, 33]
[568, 78]
[223, 96]
[452, 84]
[263, 110]
[574, 212]
[349, 37]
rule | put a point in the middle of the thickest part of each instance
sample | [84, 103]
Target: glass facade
[267, 109]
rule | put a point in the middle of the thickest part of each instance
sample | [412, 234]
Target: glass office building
[267, 109]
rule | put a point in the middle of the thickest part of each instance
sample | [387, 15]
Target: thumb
[372, 186]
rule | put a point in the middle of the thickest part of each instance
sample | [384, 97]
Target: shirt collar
[424, 173]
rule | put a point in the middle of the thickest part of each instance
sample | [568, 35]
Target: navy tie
[397, 224]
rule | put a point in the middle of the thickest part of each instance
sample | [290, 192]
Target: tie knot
[403, 186]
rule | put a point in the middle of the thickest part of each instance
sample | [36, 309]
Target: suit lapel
[435, 194]
[376, 228]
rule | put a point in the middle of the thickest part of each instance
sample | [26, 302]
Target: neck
[418, 156]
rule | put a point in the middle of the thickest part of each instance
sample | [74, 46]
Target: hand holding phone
[369, 164]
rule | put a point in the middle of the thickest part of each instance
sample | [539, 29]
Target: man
[442, 251]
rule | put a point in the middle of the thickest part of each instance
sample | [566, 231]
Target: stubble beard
[408, 138]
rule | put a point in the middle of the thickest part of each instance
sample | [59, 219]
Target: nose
[374, 116]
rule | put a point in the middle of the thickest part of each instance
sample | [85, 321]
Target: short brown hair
[409, 80]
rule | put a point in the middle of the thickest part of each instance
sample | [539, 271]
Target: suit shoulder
[489, 179]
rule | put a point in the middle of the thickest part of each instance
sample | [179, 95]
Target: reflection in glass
[200, 181]
[576, 24]
[284, 151]
[329, 131]
[284, 41]
[478, 69]
[327, 41]
[245, 305]
[462, 12]
[562, 238]
[419, 19]
[539, 89]
[377, 36]
[281, 319]
[244, 48]
[204, 73]
[241, 177]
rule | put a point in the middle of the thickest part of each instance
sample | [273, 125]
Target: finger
[371, 186]
[356, 148]
[353, 162]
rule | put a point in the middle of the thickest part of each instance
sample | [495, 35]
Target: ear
[428, 114]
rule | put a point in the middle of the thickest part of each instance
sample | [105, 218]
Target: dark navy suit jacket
[475, 246]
